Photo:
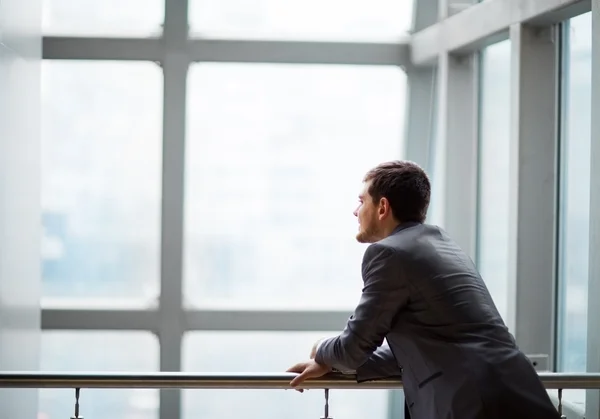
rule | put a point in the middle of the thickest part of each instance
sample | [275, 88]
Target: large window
[493, 195]
[274, 163]
[274, 160]
[345, 20]
[101, 177]
[266, 351]
[575, 196]
[99, 351]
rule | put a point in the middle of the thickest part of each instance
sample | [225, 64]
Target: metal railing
[184, 380]
[181, 380]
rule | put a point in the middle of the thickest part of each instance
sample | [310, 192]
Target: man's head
[393, 193]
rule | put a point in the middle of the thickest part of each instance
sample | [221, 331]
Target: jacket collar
[403, 226]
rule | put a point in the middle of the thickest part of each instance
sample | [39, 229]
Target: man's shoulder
[411, 240]
[391, 247]
[408, 235]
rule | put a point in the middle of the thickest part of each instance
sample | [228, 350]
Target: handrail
[29, 379]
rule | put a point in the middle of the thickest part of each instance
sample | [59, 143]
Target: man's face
[367, 214]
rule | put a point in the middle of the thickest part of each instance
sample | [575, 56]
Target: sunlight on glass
[111, 18]
[575, 199]
[102, 352]
[494, 179]
[253, 352]
[101, 181]
[275, 160]
[346, 20]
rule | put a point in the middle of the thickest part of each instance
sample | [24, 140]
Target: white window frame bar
[457, 135]
[170, 322]
[193, 320]
[533, 190]
[131, 49]
[228, 50]
[593, 317]
[486, 23]
[447, 8]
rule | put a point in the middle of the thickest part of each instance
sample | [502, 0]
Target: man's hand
[308, 369]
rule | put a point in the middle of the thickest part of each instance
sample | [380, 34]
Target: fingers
[300, 367]
[306, 370]
[300, 378]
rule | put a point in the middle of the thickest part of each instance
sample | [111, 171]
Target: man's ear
[384, 208]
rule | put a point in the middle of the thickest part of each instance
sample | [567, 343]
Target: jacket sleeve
[381, 364]
[384, 294]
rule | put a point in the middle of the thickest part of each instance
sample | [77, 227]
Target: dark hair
[405, 185]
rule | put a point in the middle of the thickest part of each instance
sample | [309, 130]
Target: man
[424, 296]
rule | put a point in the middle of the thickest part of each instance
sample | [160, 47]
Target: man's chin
[363, 238]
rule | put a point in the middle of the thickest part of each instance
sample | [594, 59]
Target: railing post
[326, 415]
[77, 391]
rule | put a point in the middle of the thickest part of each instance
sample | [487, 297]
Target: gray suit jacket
[444, 335]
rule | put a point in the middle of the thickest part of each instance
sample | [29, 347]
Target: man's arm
[384, 294]
[381, 364]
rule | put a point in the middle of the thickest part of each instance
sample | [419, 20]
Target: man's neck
[389, 229]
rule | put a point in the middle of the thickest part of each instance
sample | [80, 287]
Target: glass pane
[103, 352]
[437, 171]
[101, 177]
[113, 18]
[275, 160]
[347, 20]
[494, 156]
[575, 198]
[266, 352]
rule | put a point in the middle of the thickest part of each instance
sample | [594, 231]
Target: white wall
[20, 225]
